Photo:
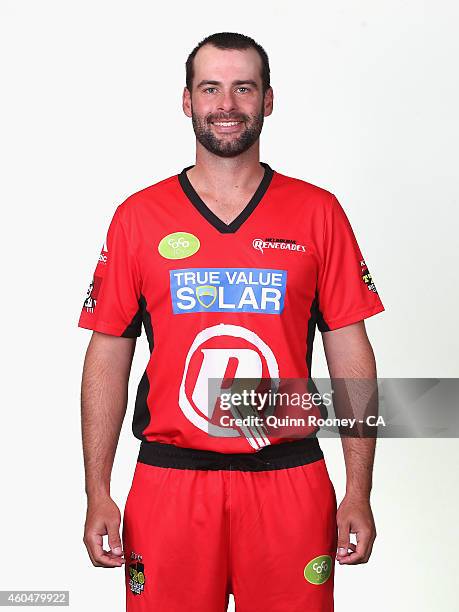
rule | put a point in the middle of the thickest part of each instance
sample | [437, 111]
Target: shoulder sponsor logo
[179, 245]
[283, 244]
[254, 290]
[318, 570]
[92, 294]
[366, 277]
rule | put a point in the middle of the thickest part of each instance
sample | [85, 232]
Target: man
[230, 266]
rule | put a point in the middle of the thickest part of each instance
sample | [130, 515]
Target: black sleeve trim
[134, 329]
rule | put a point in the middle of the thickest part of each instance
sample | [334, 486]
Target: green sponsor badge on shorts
[178, 245]
[318, 570]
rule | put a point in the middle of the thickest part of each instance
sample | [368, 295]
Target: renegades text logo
[224, 353]
[283, 244]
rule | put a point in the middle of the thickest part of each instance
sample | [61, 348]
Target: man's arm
[104, 391]
[349, 355]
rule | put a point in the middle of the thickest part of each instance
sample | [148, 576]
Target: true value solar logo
[228, 290]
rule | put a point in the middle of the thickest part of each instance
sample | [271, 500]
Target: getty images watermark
[355, 407]
[310, 403]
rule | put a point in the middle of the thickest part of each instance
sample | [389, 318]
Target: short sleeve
[345, 287]
[112, 304]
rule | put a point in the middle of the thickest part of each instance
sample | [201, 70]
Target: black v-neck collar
[211, 217]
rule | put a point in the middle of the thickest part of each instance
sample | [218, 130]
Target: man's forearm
[358, 457]
[352, 369]
[103, 406]
[356, 400]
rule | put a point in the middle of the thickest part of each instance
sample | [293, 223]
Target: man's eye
[210, 89]
[245, 89]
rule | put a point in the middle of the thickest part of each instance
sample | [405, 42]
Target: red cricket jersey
[224, 302]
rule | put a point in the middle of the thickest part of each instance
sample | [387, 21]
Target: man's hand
[355, 516]
[103, 518]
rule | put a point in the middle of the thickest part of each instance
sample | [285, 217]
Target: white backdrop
[366, 99]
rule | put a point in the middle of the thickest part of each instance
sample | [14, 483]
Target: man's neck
[225, 175]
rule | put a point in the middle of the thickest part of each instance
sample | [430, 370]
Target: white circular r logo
[196, 405]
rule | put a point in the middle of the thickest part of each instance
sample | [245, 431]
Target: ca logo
[223, 352]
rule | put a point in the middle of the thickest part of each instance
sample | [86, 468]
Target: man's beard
[227, 148]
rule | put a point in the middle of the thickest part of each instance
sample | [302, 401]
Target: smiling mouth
[226, 123]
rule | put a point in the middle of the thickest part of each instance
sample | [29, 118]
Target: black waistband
[272, 457]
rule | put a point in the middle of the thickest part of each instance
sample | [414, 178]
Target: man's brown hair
[230, 40]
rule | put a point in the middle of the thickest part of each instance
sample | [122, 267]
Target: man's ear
[186, 102]
[268, 102]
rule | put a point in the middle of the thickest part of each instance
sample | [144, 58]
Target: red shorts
[262, 527]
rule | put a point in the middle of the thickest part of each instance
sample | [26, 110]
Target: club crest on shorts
[136, 574]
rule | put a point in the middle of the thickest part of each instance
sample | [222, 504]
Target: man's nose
[226, 103]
